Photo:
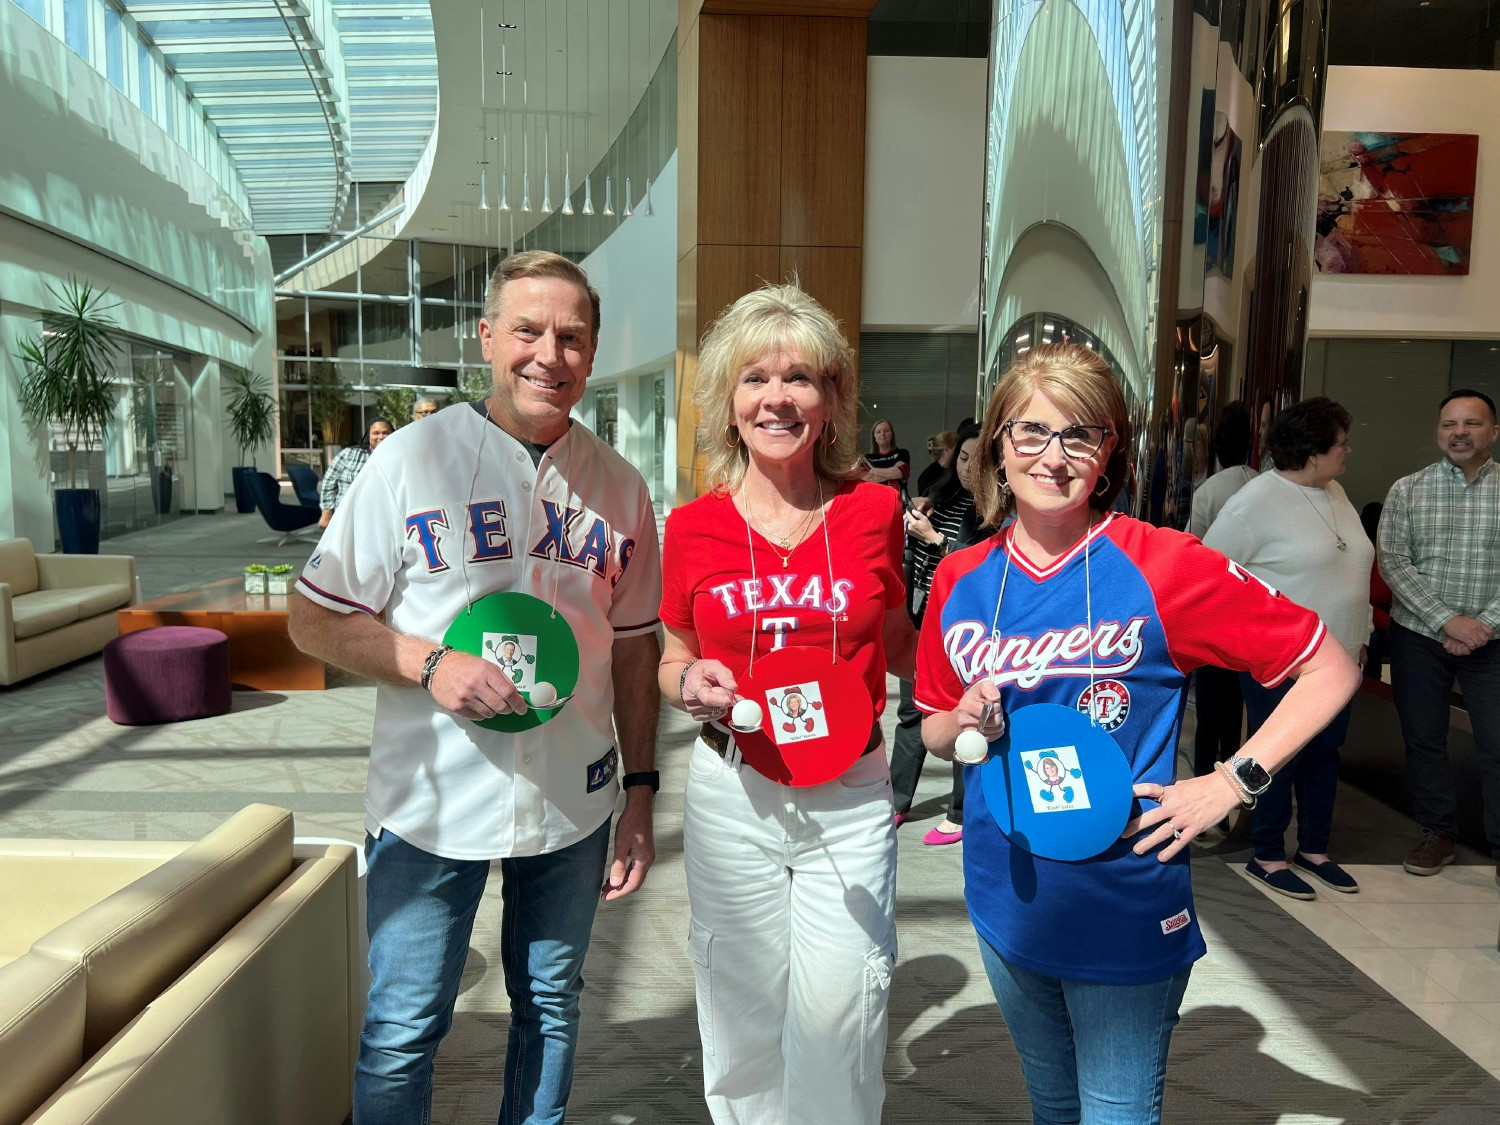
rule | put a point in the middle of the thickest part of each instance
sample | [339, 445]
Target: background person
[889, 464]
[939, 523]
[423, 408]
[1440, 551]
[792, 932]
[1295, 530]
[446, 799]
[346, 466]
[940, 448]
[1220, 706]
[1089, 960]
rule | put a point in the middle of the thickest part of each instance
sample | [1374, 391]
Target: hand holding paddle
[708, 690]
[473, 688]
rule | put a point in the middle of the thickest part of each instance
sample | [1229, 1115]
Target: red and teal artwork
[1396, 203]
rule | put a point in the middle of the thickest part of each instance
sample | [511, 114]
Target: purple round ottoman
[166, 674]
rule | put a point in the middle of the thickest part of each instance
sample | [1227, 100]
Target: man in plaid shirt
[346, 466]
[1439, 545]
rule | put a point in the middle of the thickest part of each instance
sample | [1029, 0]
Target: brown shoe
[1435, 852]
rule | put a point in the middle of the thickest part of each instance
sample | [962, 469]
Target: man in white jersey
[503, 495]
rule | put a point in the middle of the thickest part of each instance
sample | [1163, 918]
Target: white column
[25, 464]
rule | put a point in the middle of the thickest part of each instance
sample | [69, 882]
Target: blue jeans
[1092, 1054]
[421, 913]
[1313, 774]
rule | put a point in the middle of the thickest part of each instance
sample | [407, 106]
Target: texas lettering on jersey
[1026, 661]
[570, 536]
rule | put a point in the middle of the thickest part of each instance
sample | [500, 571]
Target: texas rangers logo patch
[1106, 702]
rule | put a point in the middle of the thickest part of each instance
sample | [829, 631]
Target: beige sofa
[57, 608]
[214, 982]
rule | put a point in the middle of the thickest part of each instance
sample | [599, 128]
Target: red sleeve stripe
[1302, 657]
[655, 621]
[930, 708]
[335, 598]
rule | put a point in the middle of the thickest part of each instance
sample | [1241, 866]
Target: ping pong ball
[543, 695]
[746, 715]
[971, 747]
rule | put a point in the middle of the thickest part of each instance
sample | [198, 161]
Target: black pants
[1422, 674]
[1221, 708]
[907, 756]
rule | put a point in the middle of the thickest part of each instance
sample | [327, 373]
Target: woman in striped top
[941, 521]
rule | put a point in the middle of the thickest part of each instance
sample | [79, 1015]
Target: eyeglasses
[1030, 439]
[424, 413]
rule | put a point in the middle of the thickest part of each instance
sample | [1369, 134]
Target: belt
[718, 739]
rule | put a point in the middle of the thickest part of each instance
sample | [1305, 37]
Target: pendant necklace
[1334, 526]
[782, 546]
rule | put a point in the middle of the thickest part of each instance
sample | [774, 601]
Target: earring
[1104, 482]
[732, 435]
[1004, 490]
[831, 433]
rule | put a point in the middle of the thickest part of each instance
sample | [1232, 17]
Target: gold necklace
[782, 545]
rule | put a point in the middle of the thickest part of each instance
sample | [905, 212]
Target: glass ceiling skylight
[308, 96]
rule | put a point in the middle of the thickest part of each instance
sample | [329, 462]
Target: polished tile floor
[1379, 1007]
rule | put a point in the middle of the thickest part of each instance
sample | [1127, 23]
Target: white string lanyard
[523, 547]
[1088, 608]
[755, 579]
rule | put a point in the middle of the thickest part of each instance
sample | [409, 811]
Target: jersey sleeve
[1214, 611]
[355, 563]
[637, 592]
[937, 687]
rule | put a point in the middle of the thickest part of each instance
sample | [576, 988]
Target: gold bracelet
[1246, 798]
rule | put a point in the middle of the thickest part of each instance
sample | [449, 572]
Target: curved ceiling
[308, 96]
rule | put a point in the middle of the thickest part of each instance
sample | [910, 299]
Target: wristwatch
[645, 777]
[1250, 773]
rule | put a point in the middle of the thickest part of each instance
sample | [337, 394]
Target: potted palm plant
[328, 405]
[66, 383]
[251, 411]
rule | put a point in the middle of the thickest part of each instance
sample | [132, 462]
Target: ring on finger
[1176, 832]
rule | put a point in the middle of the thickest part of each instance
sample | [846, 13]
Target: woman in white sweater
[1296, 531]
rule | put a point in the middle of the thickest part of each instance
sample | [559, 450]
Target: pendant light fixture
[588, 70]
[567, 203]
[609, 106]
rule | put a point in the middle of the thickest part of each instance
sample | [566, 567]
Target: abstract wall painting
[1396, 203]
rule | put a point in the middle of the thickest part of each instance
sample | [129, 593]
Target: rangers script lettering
[1027, 661]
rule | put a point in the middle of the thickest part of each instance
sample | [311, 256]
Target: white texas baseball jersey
[449, 510]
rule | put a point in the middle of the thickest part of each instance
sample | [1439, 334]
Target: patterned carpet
[1277, 1027]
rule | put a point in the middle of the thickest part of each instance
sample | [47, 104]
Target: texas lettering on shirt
[570, 536]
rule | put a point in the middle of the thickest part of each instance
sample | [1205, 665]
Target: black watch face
[1254, 777]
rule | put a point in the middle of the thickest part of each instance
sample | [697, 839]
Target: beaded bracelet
[429, 669]
[682, 681]
[1247, 799]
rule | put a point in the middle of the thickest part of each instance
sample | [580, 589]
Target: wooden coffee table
[261, 653]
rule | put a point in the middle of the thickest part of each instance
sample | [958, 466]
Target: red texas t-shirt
[852, 576]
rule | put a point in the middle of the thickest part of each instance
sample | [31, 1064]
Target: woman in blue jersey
[1078, 606]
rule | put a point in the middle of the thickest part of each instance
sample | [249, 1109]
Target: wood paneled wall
[771, 168]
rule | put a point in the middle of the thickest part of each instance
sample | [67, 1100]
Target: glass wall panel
[436, 269]
[385, 266]
[146, 76]
[76, 25]
[114, 48]
[36, 9]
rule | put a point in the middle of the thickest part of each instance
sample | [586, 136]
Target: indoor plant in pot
[252, 420]
[66, 383]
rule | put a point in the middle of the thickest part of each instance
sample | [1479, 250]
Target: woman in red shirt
[784, 587]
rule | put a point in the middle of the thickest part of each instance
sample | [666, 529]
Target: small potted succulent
[255, 579]
[280, 580]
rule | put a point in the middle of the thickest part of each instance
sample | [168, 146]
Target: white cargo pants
[793, 940]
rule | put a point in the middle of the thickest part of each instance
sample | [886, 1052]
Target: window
[114, 48]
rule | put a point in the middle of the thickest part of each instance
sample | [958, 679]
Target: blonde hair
[771, 319]
[1081, 385]
[538, 263]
